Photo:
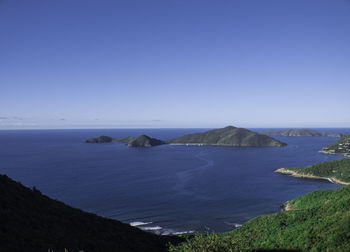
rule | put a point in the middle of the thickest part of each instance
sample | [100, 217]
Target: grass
[318, 221]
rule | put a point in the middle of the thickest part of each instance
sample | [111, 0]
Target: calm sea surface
[166, 188]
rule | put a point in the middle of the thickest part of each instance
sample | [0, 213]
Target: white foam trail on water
[183, 232]
[330, 180]
[151, 228]
[185, 176]
[139, 223]
[158, 229]
[236, 225]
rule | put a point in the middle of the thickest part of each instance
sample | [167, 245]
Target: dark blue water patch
[172, 188]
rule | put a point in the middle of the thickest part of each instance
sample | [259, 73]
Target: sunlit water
[163, 189]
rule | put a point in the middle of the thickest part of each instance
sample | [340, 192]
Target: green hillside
[341, 146]
[228, 136]
[100, 139]
[144, 141]
[338, 171]
[30, 221]
[318, 221]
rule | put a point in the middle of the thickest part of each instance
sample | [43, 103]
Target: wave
[139, 223]
[236, 225]
[183, 232]
[173, 232]
[330, 180]
[151, 228]
[158, 229]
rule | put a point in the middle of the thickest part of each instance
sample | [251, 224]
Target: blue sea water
[164, 189]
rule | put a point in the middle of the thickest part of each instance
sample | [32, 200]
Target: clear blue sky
[174, 63]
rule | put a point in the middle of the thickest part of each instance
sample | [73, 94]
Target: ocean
[164, 189]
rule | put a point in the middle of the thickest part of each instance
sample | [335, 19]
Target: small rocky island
[300, 133]
[140, 141]
[228, 136]
[100, 139]
[144, 141]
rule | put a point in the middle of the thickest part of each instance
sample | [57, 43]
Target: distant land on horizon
[300, 133]
[139, 141]
[228, 136]
[259, 129]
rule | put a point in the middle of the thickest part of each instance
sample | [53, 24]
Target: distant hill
[228, 136]
[341, 146]
[30, 221]
[144, 141]
[125, 139]
[139, 141]
[337, 171]
[300, 133]
[317, 221]
[100, 139]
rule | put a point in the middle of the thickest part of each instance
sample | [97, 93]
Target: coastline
[333, 153]
[224, 145]
[310, 176]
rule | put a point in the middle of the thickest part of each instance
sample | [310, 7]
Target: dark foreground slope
[228, 136]
[30, 221]
[318, 221]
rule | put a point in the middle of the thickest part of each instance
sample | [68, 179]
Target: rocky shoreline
[286, 206]
[334, 153]
[303, 175]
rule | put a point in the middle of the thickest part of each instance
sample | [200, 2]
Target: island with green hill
[228, 136]
[300, 133]
[139, 141]
[337, 171]
[100, 139]
[144, 141]
[341, 146]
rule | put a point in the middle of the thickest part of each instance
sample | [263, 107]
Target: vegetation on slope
[337, 170]
[100, 139]
[318, 221]
[140, 141]
[228, 136]
[30, 221]
[341, 146]
[144, 141]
